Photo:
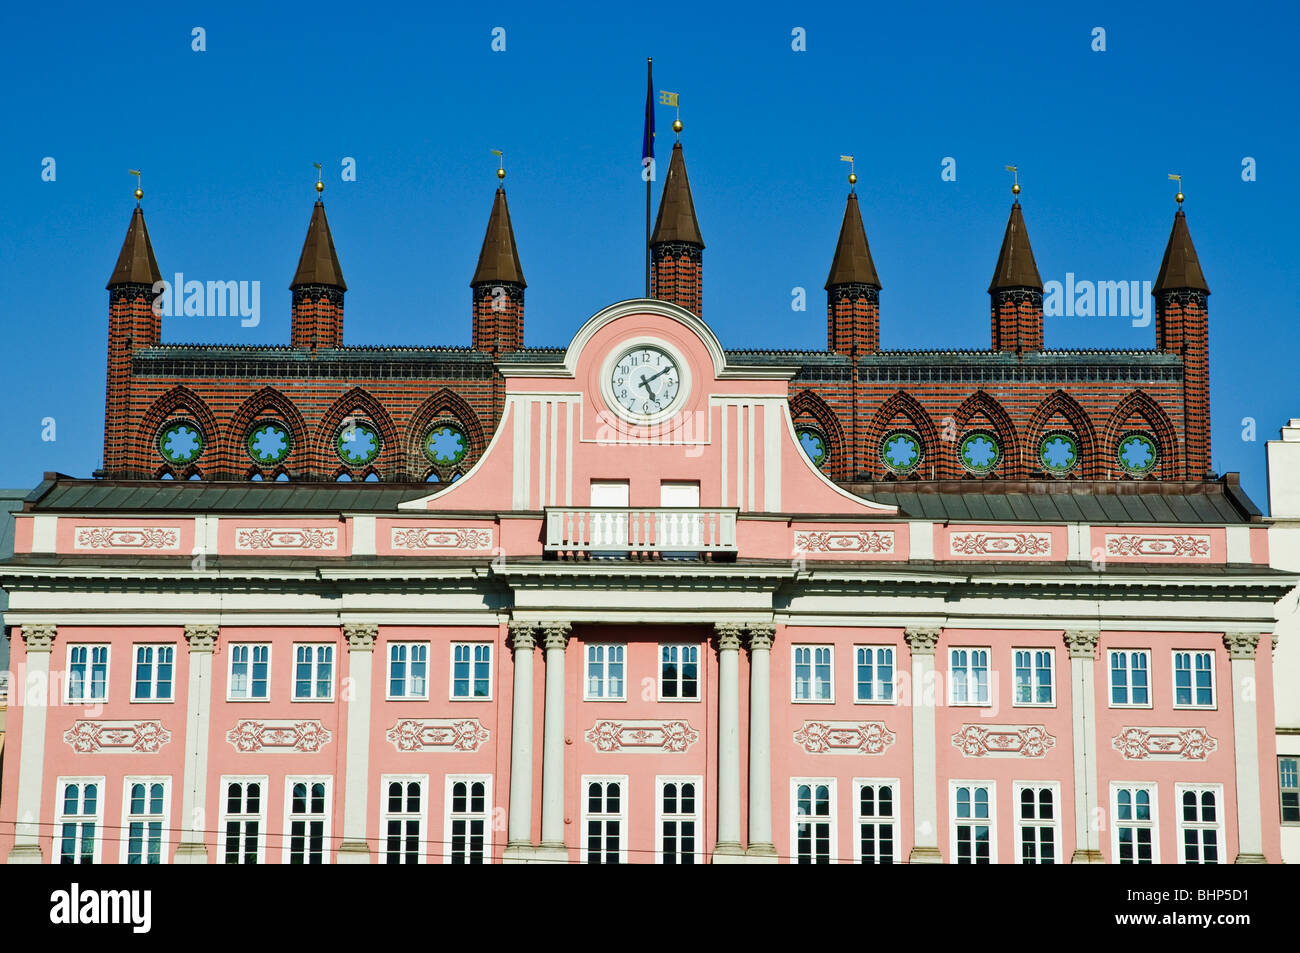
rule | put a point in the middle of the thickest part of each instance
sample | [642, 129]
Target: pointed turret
[498, 285]
[318, 287]
[1180, 269]
[853, 289]
[1016, 291]
[676, 247]
[136, 264]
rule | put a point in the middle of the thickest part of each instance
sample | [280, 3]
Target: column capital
[761, 636]
[523, 635]
[555, 635]
[922, 641]
[727, 636]
[40, 637]
[201, 638]
[361, 635]
[1082, 643]
[1241, 645]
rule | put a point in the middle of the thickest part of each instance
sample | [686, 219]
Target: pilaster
[360, 638]
[1081, 646]
[925, 777]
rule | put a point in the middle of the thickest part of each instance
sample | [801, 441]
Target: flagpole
[649, 81]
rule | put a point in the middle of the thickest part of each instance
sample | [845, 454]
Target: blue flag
[648, 133]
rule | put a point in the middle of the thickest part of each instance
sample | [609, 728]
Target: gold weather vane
[501, 163]
[1179, 197]
[139, 192]
[853, 176]
[670, 99]
[320, 185]
[1015, 179]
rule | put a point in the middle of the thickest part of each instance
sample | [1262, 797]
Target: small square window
[968, 676]
[471, 670]
[679, 673]
[1130, 678]
[153, 673]
[1035, 677]
[87, 673]
[313, 672]
[408, 670]
[874, 674]
[604, 678]
[1288, 770]
[813, 672]
[250, 672]
[1193, 679]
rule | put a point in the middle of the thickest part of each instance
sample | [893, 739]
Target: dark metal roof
[1180, 268]
[498, 259]
[676, 221]
[319, 263]
[1016, 267]
[194, 496]
[852, 263]
[136, 264]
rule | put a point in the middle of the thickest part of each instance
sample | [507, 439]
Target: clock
[645, 383]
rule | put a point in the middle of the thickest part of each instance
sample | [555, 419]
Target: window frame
[164, 845]
[315, 677]
[1033, 676]
[659, 675]
[422, 818]
[60, 784]
[896, 786]
[605, 678]
[1281, 790]
[697, 816]
[90, 663]
[987, 702]
[1213, 703]
[153, 673]
[225, 816]
[875, 681]
[623, 814]
[406, 678]
[1153, 789]
[832, 817]
[230, 671]
[953, 820]
[1037, 823]
[1110, 679]
[488, 811]
[286, 837]
[1182, 825]
[491, 673]
[812, 676]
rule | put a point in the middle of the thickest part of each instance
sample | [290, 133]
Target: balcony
[627, 531]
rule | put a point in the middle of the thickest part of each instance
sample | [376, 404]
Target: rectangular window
[875, 673]
[679, 672]
[307, 820]
[1200, 822]
[1288, 775]
[153, 673]
[974, 813]
[1035, 670]
[250, 672]
[87, 673]
[968, 676]
[78, 822]
[812, 673]
[1130, 682]
[1037, 809]
[681, 831]
[313, 672]
[403, 817]
[605, 672]
[408, 670]
[1134, 829]
[145, 820]
[812, 824]
[877, 822]
[243, 821]
[604, 817]
[1193, 679]
[469, 808]
[471, 670]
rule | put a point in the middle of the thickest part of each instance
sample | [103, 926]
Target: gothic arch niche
[979, 421]
[1061, 414]
[444, 435]
[178, 404]
[901, 413]
[1134, 416]
[269, 405]
[812, 415]
[357, 411]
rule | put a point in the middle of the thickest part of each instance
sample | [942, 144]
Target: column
[1245, 744]
[1082, 647]
[555, 639]
[760, 743]
[925, 780]
[354, 849]
[202, 641]
[728, 640]
[39, 640]
[523, 639]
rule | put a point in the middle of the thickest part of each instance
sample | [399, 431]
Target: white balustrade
[620, 529]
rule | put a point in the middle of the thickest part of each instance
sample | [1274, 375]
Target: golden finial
[501, 164]
[139, 192]
[1015, 180]
[1179, 197]
[853, 176]
[670, 99]
[320, 186]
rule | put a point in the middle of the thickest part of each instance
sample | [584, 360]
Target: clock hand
[645, 381]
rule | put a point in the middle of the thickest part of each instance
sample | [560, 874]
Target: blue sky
[226, 139]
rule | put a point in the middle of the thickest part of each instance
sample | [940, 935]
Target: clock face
[645, 381]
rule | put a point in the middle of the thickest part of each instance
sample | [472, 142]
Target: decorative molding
[452, 734]
[1241, 645]
[1082, 643]
[1001, 544]
[555, 635]
[844, 737]
[922, 641]
[127, 537]
[286, 537]
[278, 736]
[201, 638]
[867, 541]
[1003, 741]
[1173, 744]
[40, 637]
[361, 635]
[642, 736]
[1172, 545]
[458, 537]
[727, 636]
[523, 635]
[761, 636]
[117, 737]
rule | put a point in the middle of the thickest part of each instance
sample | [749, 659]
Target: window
[1134, 829]
[968, 676]
[875, 673]
[87, 673]
[403, 820]
[469, 804]
[604, 814]
[307, 820]
[605, 672]
[408, 670]
[1130, 679]
[1199, 823]
[79, 809]
[812, 828]
[145, 821]
[812, 673]
[471, 670]
[250, 672]
[1288, 772]
[973, 815]
[876, 820]
[679, 672]
[678, 821]
[243, 821]
[313, 672]
[1193, 679]
[153, 673]
[1034, 676]
[1036, 807]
